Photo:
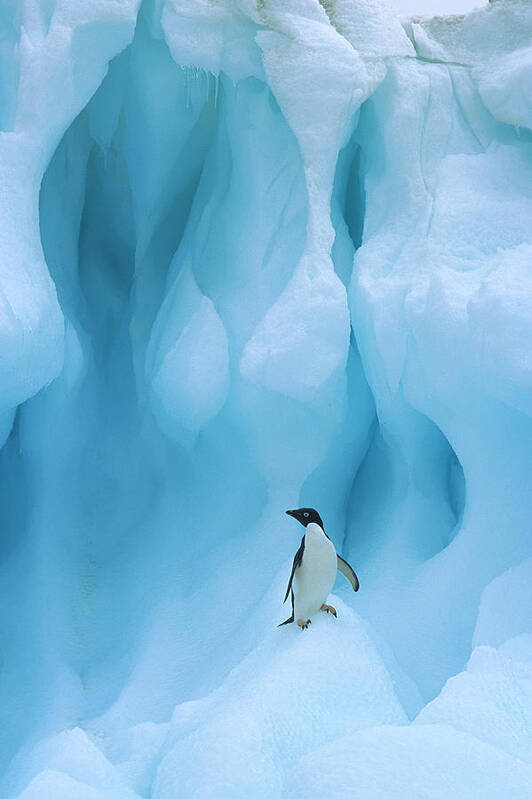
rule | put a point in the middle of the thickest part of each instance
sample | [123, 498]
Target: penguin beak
[292, 513]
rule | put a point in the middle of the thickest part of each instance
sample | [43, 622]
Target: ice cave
[258, 254]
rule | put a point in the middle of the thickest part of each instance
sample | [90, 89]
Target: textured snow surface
[415, 762]
[283, 700]
[259, 254]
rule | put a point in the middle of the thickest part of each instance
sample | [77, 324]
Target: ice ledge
[474, 38]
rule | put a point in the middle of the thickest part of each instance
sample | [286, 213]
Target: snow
[421, 761]
[505, 606]
[513, 71]
[55, 785]
[259, 254]
[283, 700]
[68, 762]
[491, 700]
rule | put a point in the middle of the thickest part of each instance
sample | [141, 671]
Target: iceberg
[259, 254]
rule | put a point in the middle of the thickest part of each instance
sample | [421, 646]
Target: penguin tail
[288, 621]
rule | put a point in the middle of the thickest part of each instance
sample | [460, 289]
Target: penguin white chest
[315, 577]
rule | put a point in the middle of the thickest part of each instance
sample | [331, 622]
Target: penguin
[314, 570]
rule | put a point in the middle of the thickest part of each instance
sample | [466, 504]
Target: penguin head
[306, 516]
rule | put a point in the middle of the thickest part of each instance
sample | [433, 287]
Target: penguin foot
[329, 609]
[303, 624]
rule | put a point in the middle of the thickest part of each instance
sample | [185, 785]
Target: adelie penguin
[314, 570]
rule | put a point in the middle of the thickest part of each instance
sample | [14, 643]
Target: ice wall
[256, 254]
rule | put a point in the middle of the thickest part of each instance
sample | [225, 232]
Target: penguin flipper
[298, 557]
[291, 619]
[347, 571]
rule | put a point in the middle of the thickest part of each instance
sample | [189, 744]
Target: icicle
[187, 89]
[216, 84]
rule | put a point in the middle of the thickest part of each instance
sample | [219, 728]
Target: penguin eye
[305, 514]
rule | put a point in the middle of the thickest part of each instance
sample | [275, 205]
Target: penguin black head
[306, 516]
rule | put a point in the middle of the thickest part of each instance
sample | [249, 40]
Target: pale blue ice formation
[256, 254]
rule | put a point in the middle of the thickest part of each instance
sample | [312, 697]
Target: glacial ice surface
[256, 254]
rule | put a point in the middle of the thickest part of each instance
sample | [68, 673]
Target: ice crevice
[260, 254]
